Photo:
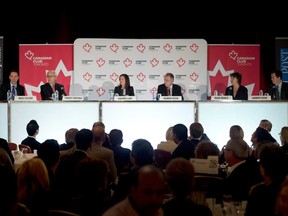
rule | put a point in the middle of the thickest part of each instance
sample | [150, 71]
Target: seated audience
[168, 145]
[196, 131]
[146, 194]
[70, 144]
[106, 142]
[284, 139]
[205, 149]
[4, 145]
[281, 207]
[32, 129]
[180, 177]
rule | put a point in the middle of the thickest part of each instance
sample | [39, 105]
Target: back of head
[180, 132]
[205, 149]
[98, 134]
[4, 145]
[284, 135]
[142, 151]
[32, 127]
[116, 137]
[49, 152]
[169, 133]
[239, 148]
[236, 132]
[70, 135]
[84, 139]
[266, 124]
[262, 134]
[179, 175]
[98, 123]
[196, 130]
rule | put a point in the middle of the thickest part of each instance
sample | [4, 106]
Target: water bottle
[9, 95]
[261, 92]
[215, 93]
[154, 96]
[111, 94]
[56, 95]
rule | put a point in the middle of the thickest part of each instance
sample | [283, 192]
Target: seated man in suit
[278, 89]
[168, 88]
[51, 86]
[14, 87]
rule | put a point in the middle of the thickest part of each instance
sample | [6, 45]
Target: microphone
[230, 92]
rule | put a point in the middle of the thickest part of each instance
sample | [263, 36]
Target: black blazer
[119, 91]
[176, 90]
[6, 86]
[284, 91]
[47, 91]
[242, 93]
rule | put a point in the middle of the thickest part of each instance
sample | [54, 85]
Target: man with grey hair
[243, 172]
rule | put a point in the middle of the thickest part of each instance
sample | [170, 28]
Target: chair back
[12, 146]
[162, 158]
[26, 147]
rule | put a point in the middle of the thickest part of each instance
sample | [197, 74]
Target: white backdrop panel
[148, 120]
[218, 117]
[54, 118]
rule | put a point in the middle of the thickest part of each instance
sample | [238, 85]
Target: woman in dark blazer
[124, 87]
[236, 90]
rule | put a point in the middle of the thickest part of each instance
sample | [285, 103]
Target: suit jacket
[47, 91]
[6, 86]
[284, 91]
[176, 90]
[184, 149]
[119, 91]
[242, 93]
[31, 142]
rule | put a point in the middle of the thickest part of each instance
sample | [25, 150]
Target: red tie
[53, 88]
[168, 91]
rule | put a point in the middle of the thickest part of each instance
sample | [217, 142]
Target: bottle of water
[9, 95]
[215, 93]
[56, 95]
[154, 96]
[261, 92]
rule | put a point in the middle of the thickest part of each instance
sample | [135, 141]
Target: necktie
[13, 91]
[53, 88]
[277, 95]
[168, 91]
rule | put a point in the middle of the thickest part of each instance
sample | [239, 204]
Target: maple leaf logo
[153, 90]
[100, 91]
[194, 47]
[114, 77]
[154, 62]
[233, 54]
[127, 62]
[141, 76]
[100, 62]
[180, 62]
[114, 48]
[87, 47]
[167, 48]
[87, 76]
[194, 76]
[141, 48]
[29, 54]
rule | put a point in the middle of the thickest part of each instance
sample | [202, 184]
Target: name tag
[223, 97]
[125, 98]
[72, 98]
[24, 98]
[170, 98]
[258, 97]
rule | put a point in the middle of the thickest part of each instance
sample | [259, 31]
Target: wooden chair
[12, 146]
[162, 158]
[22, 146]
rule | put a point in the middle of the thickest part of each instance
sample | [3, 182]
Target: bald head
[98, 134]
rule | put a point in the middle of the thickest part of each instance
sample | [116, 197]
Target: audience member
[266, 124]
[106, 142]
[236, 132]
[168, 145]
[236, 89]
[242, 173]
[284, 139]
[146, 194]
[185, 148]
[14, 86]
[124, 88]
[4, 145]
[34, 186]
[278, 89]
[262, 197]
[70, 144]
[97, 151]
[281, 207]
[121, 155]
[196, 131]
[51, 86]
[32, 129]
[168, 88]
[180, 176]
[205, 149]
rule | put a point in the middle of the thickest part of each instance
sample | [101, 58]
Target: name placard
[170, 98]
[72, 98]
[206, 166]
[125, 98]
[259, 97]
[25, 98]
[223, 97]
